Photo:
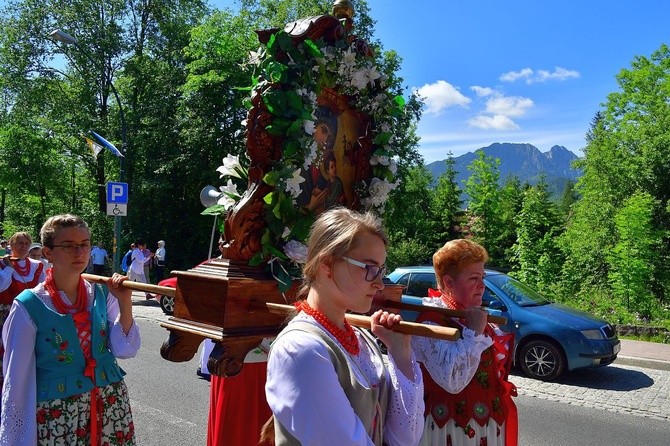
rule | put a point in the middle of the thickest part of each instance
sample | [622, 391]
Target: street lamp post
[67, 39]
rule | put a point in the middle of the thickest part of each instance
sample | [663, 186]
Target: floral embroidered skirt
[67, 421]
[471, 435]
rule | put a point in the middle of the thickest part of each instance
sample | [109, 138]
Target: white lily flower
[308, 126]
[313, 152]
[293, 184]
[379, 191]
[296, 251]
[359, 79]
[230, 163]
[224, 199]
[377, 159]
[349, 58]
[393, 166]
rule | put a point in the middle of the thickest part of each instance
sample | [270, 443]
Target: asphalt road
[618, 405]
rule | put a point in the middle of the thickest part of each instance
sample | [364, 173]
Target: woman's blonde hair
[58, 222]
[18, 235]
[455, 255]
[334, 234]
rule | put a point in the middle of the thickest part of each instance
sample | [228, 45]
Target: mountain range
[523, 160]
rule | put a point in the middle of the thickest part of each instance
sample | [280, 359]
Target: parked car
[550, 338]
[167, 302]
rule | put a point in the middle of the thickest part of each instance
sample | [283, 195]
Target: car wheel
[167, 304]
[542, 359]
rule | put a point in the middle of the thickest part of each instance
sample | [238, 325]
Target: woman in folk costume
[63, 385]
[328, 383]
[18, 272]
[468, 397]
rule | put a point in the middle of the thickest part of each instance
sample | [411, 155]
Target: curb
[643, 362]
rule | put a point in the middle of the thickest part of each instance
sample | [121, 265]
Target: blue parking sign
[117, 193]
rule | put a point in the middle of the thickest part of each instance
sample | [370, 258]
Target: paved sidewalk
[651, 355]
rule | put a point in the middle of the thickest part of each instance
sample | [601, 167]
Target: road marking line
[139, 407]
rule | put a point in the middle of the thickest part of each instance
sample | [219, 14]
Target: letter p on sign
[117, 193]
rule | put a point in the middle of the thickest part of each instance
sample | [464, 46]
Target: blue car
[550, 338]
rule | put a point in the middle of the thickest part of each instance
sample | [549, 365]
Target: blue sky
[516, 71]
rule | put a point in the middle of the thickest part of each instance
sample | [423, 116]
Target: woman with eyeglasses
[62, 340]
[18, 272]
[327, 382]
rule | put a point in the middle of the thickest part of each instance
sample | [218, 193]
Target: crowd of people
[320, 381]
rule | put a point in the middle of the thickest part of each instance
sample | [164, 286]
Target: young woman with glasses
[328, 382]
[62, 381]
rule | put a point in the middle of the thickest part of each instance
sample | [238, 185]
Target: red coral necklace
[347, 337]
[22, 270]
[451, 303]
[82, 297]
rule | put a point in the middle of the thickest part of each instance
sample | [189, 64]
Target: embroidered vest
[60, 359]
[487, 396]
[15, 288]
[364, 401]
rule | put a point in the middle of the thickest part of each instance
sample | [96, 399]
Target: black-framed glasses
[371, 271]
[69, 248]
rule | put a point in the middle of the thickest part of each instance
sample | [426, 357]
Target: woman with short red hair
[468, 397]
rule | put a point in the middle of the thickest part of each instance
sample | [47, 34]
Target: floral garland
[305, 69]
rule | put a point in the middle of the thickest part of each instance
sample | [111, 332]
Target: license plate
[617, 348]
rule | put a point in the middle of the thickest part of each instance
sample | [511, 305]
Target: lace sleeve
[452, 364]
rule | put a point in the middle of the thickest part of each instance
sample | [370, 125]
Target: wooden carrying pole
[358, 320]
[137, 286]
[411, 328]
[501, 320]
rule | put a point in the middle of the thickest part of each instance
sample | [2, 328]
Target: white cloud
[441, 95]
[495, 122]
[508, 105]
[559, 74]
[511, 76]
[482, 92]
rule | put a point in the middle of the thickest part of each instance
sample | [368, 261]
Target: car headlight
[593, 334]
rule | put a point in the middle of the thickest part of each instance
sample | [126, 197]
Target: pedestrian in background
[127, 259]
[147, 265]
[35, 253]
[99, 259]
[4, 249]
[136, 270]
[63, 384]
[159, 261]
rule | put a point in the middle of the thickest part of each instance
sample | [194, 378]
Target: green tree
[538, 227]
[511, 197]
[408, 218]
[446, 204]
[484, 204]
[632, 258]
[626, 153]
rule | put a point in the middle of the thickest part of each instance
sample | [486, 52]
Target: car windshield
[524, 295]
